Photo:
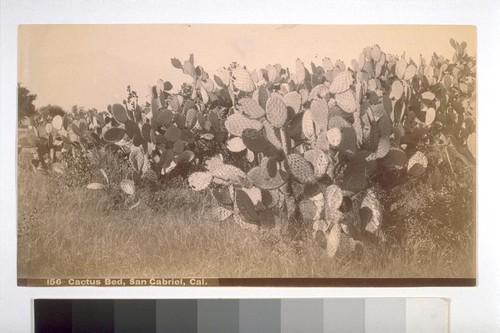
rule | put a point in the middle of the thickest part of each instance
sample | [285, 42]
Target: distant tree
[48, 112]
[25, 106]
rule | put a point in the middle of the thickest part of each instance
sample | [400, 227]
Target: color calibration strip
[372, 315]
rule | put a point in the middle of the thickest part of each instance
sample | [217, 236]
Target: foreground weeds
[72, 232]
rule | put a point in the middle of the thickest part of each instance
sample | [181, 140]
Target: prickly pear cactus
[312, 140]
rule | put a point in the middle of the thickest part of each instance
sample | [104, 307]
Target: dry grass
[74, 232]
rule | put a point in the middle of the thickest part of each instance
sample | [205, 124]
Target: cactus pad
[417, 164]
[173, 133]
[178, 146]
[48, 128]
[348, 143]
[214, 120]
[309, 210]
[180, 120]
[251, 108]
[319, 160]
[429, 72]
[375, 53]
[242, 79]
[301, 71]
[261, 95]
[226, 172]
[410, 72]
[166, 157]
[401, 68]
[214, 162]
[318, 92]
[222, 195]
[114, 134]
[199, 180]
[208, 85]
[397, 90]
[136, 159]
[119, 113]
[57, 122]
[220, 214]
[187, 136]
[74, 128]
[294, 127]
[173, 103]
[146, 131]
[430, 115]
[127, 186]
[293, 100]
[191, 118]
[222, 77]
[254, 140]
[188, 68]
[365, 215]
[334, 136]
[271, 134]
[132, 129]
[333, 197]
[276, 112]
[272, 73]
[82, 126]
[246, 207]
[165, 118]
[185, 157]
[308, 128]
[428, 96]
[384, 144]
[301, 169]
[357, 172]
[260, 177]
[236, 145]
[346, 101]
[319, 113]
[236, 123]
[341, 82]
[339, 122]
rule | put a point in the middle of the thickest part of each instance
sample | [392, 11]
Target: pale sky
[91, 65]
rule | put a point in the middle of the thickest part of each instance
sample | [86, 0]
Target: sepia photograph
[246, 155]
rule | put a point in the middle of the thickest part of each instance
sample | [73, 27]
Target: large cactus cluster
[317, 138]
[313, 139]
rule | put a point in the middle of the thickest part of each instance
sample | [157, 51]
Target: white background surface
[475, 309]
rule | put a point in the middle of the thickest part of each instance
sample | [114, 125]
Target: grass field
[74, 232]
